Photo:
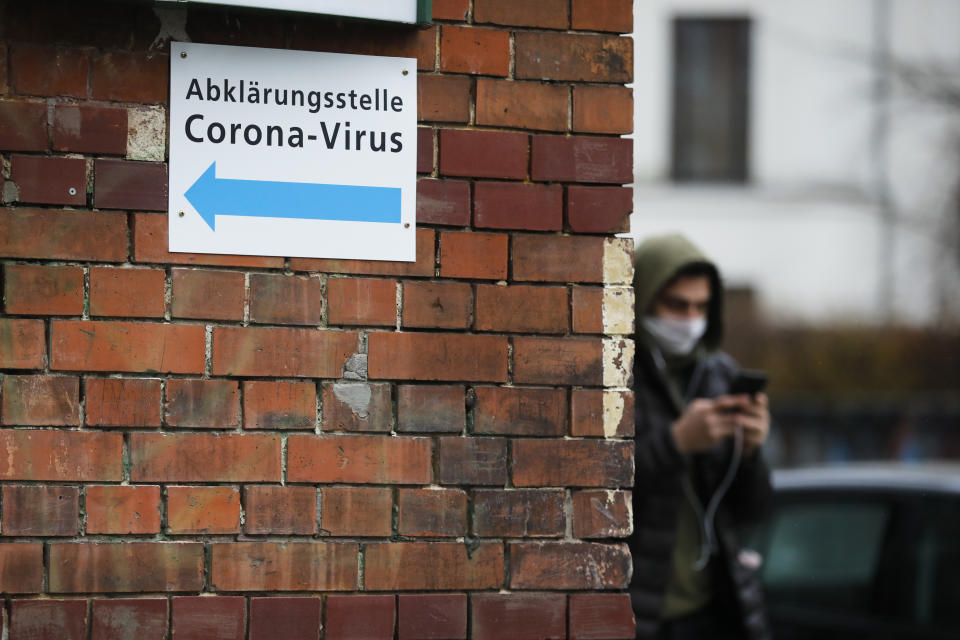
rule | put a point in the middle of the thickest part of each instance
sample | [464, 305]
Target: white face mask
[674, 336]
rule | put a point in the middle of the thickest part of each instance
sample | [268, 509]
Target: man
[699, 471]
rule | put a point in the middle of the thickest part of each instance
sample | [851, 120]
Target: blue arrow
[212, 196]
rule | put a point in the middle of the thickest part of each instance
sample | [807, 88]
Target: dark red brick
[43, 290]
[47, 180]
[569, 566]
[90, 129]
[359, 459]
[602, 514]
[473, 50]
[127, 292]
[130, 77]
[433, 566]
[123, 402]
[284, 566]
[443, 202]
[522, 308]
[48, 619]
[520, 513]
[207, 294]
[125, 618]
[41, 510]
[547, 14]
[362, 301]
[603, 15]
[581, 159]
[361, 617]
[301, 353]
[48, 71]
[523, 105]
[566, 361]
[520, 411]
[437, 356]
[599, 109]
[599, 209]
[473, 461]
[280, 510]
[588, 413]
[287, 618]
[548, 258]
[61, 456]
[282, 299]
[430, 408]
[123, 184]
[203, 510]
[586, 463]
[432, 616]
[21, 567]
[578, 58]
[357, 406]
[483, 154]
[587, 313]
[41, 400]
[68, 235]
[424, 150]
[23, 125]
[202, 457]
[443, 98]
[127, 567]
[22, 344]
[473, 255]
[450, 9]
[363, 38]
[213, 404]
[513, 205]
[444, 305]
[279, 405]
[204, 618]
[120, 509]
[356, 511]
[150, 245]
[432, 512]
[79, 345]
[422, 267]
[518, 616]
[601, 616]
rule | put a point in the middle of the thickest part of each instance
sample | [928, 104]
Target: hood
[657, 260]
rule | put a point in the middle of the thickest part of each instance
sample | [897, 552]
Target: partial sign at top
[388, 10]
[292, 153]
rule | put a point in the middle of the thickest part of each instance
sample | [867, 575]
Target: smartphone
[748, 382]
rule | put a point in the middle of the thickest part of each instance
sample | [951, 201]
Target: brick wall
[210, 446]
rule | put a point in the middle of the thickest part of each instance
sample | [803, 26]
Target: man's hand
[707, 421]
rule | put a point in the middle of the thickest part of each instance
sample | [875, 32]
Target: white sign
[390, 10]
[292, 153]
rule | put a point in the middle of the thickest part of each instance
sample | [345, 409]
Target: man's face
[683, 298]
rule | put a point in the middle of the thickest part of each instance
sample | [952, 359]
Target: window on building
[711, 73]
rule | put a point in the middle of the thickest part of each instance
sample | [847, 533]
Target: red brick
[521, 513]
[483, 154]
[587, 412]
[362, 301]
[68, 235]
[361, 37]
[213, 404]
[48, 71]
[437, 356]
[522, 105]
[513, 205]
[444, 305]
[443, 98]
[21, 567]
[598, 109]
[201, 457]
[433, 566]
[443, 202]
[424, 150]
[3, 66]
[548, 258]
[90, 129]
[518, 616]
[124, 618]
[287, 618]
[473, 461]
[206, 510]
[123, 402]
[359, 459]
[300, 353]
[581, 159]
[130, 77]
[40, 400]
[472, 50]
[602, 514]
[205, 618]
[282, 299]
[587, 309]
[432, 616]
[432, 512]
[548, 14]
[520, 411]
[357, 406]
[124, 184]
[120, 509]
[279, 405]
[356, 511]
[127, 567]
[579, 58]
[522, 308]
[570, 566]
[23, 125]
[561, 361]
[47, 180]
[289, 566]
[431, 408]
[422, 267]
[280, 510]
[206, 294]
[473, 255]
[150, 245]
[43, 290]
[450, 9]
[127, 292]
[22, 344]
[41, 510]
[61, 456]
[79, 345]
[48, 619]
[361, 617]
[603, 15]
[586, 463]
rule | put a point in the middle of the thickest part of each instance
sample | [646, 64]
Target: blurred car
[863, 551]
